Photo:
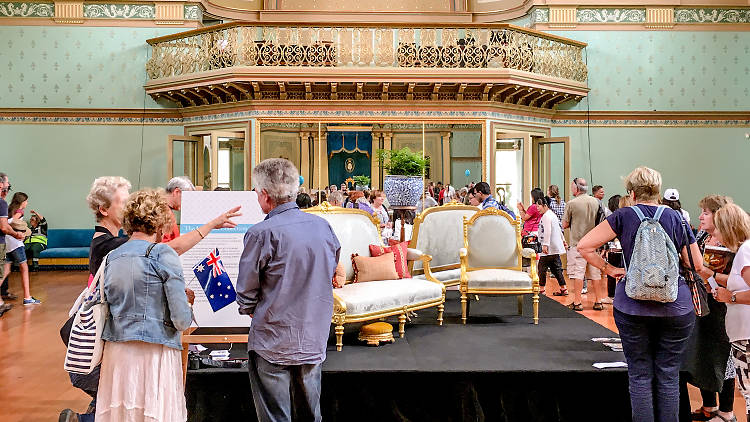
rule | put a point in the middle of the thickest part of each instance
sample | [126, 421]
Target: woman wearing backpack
[654, 333]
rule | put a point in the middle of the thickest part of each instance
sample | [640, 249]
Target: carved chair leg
[520, 304]
[339, 329]
[464, 310]
[401, 325]
[536, 308]
[441, 308]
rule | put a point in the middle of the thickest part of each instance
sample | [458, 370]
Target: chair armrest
[339, 306]
[413, 254]
[528, 253]
[427, 271]
[463, 253]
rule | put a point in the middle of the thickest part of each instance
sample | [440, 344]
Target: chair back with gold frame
[355, 229]
[493, 240]
[439, 232]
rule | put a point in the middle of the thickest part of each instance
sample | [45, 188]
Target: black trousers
[552, 263]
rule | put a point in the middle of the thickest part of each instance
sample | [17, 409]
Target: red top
[532, 224]
[174, 233]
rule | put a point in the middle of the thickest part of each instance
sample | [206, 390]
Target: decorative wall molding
[610, 15]
[119, 11]
[377, 115]
[659, 17]
[705, 15]
[166, 12]
[27, 10]
[69, 12]
[562, 17]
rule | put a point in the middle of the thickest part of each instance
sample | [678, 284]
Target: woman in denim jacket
[149, 306]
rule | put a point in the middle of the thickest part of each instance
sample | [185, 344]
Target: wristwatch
[734, 298]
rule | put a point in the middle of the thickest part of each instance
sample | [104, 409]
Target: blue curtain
[349, 155]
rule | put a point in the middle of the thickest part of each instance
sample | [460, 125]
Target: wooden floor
[33, 384]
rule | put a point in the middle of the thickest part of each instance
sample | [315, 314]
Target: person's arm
[254, 258]
[593, 240]
[183, 243]
[566, 218]
[723, 295]
[180, 311]
[7, 229]
[525, 213]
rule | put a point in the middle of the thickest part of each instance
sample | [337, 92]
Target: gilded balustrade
[477, 47]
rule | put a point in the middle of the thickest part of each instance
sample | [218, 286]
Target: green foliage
[402, 162]
[361, 180]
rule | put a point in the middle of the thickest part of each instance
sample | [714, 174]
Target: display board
[211, 267]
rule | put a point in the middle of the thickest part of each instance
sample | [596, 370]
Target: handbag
[85, 345]
[695, 282]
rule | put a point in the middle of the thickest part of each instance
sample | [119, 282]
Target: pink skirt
[140, 382]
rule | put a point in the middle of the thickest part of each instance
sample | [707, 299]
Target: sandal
[598, 306]
[561, 293]
[722, 418]
[701, 414]
[576, 306]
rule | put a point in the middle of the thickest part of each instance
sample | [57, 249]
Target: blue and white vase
[403, 191]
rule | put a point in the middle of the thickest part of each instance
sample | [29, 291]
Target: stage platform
[498, 367]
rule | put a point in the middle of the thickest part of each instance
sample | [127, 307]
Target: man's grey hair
[336, 198]
[581, 184]
[279, 178]
[182, 182]
[3, 176]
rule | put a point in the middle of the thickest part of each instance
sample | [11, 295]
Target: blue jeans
[284, 393]
[653, 348]
[89, 383]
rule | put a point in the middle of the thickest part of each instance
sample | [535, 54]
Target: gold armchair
[491, 260]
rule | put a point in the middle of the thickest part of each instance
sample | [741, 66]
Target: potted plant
[403, 184]
[361, 182]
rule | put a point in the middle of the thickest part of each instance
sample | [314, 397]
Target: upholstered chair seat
[387, 295]
[447, 277]
[373, 300]
[499, 279]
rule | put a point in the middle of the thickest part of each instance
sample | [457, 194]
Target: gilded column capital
[68, 12]
[171, 13]
[659, 17]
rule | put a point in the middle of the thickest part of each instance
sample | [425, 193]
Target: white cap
[672, 195]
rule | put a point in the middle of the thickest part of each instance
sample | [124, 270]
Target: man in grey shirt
[284, 283]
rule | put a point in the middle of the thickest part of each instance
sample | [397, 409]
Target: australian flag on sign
[215, 281]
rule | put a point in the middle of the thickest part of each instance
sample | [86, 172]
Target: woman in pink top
[533, 214]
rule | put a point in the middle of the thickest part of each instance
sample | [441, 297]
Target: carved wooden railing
[366, 46]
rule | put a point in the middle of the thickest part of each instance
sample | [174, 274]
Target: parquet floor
[34, 386]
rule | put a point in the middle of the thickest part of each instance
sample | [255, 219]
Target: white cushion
[441, 235]
[372, 296]
[493, 243]
[499, 279]
[443, 276]
[356, 232]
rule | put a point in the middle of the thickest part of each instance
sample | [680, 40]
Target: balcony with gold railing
[251, 62]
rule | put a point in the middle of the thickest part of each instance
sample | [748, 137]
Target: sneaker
[5, 307]
[607, 300]
[598, 306]
[68, 415]
[584, 291]
[9, 296]
[31, 301]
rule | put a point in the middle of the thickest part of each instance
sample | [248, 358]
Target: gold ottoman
[376, 333]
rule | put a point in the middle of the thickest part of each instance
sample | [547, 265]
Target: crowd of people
[666, 345]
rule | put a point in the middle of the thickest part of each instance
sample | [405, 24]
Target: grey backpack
[653, 273]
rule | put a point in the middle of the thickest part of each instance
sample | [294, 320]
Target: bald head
[579, 186]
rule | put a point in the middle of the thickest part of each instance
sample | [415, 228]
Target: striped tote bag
[86, 345]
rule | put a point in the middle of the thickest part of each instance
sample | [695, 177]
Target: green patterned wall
[76, 67]
[666, 70]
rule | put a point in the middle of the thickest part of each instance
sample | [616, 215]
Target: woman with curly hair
[149, 307]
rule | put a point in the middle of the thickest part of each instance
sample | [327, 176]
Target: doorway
[211, 159]
[551, 163]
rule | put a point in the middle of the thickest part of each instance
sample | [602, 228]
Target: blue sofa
[66, 249]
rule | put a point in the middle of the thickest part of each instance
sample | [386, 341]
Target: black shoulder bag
[695, 282]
